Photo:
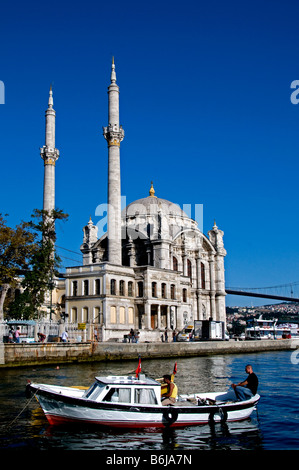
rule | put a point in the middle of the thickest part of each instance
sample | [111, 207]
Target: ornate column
[147, 314]
[198, 286]
[216, 238]
[159, 317]
[212, 288]
[168, 317]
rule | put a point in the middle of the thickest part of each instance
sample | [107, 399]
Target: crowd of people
[14, 335]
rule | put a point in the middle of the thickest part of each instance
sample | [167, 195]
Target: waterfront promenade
[19, 355]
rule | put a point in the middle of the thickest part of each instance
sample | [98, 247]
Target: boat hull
[65, 409]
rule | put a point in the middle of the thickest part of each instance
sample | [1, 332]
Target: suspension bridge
[286, 292]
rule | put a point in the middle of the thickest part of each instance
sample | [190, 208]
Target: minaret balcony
[113, 133]
[49, 154]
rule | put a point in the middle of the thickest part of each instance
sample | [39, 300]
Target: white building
[153, 269]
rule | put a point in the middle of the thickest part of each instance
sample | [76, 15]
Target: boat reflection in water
[241, 435]
[245, 435]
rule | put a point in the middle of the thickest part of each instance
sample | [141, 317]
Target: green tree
[16, 249]
[43, 264]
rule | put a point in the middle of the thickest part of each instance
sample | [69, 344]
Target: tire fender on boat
[170, 415]
[222, 413]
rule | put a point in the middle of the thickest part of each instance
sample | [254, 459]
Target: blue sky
[204, 102]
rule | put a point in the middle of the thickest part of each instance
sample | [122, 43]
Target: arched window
[175, 263]
[112, 314]
[121, 287]
[189, 269]
[98, 317]
[131, 315]
[113, 287]
[74, 315]
[203, 276]
[130, 289]
[140, 289]
[85, 287]
[172, 291]
[154, 289]
[85, 315]
[122, 315]
[97, 287]
[75, 288]
[163, 290]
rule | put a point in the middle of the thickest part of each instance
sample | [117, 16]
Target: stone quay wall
[25, 354]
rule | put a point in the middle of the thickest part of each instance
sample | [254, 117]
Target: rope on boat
[28, 403]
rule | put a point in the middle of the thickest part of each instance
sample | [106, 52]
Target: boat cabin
[125, 389]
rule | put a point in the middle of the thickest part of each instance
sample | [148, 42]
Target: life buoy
[222, 414]
[170, 415]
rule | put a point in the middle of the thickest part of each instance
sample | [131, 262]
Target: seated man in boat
[248, 388]
[169, 397]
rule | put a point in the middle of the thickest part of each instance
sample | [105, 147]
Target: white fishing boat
[135, 402]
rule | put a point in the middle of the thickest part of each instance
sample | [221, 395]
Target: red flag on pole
[138, 370]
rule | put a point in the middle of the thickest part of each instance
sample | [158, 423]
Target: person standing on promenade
[17, 335]
[248, 388]
[64, 336]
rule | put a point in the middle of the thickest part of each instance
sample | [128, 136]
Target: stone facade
[162, 283]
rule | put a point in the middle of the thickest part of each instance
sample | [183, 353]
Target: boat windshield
[94, 391]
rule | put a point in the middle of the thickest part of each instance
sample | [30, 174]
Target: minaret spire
[114, 134]
[49, 154]
[50, 102]
[113, 73]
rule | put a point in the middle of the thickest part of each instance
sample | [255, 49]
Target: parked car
[186, 333]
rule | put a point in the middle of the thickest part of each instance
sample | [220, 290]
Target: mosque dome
[153, 205]
[155, 218]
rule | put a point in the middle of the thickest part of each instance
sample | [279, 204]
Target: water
[274, 426]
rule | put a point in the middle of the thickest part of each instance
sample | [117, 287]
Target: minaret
[114, 134]
[49, 154]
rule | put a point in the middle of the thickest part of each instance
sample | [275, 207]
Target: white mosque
[153, 269]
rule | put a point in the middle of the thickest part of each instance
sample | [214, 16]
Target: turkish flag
[138, 370]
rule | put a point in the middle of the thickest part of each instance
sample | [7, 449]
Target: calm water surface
[274, 426]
